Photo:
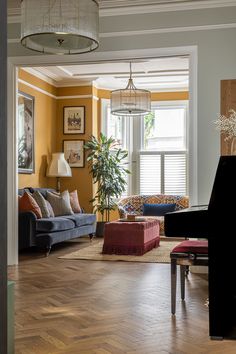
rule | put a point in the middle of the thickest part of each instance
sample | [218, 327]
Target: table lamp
[58, 167]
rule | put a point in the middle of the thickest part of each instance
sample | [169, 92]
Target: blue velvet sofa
[46, 232]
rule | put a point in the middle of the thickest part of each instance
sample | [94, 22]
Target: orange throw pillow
[27, 203]
[74, 202]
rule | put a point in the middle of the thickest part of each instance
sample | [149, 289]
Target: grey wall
[216, 61]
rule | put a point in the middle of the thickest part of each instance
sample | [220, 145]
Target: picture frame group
[74, 120]
[74, 152]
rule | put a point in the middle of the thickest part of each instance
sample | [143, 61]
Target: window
[160, 156]
[113, 125]
[163, 153]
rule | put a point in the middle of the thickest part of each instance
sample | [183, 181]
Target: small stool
[131, 238]
[186, 254]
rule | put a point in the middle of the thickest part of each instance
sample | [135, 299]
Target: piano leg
[173, 285]
[182, 280]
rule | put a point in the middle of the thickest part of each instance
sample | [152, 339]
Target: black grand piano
[217, 223]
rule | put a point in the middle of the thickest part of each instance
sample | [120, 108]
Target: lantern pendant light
[60, 26]
[130, 101]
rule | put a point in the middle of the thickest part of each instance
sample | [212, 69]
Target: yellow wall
[44, 127]
[81, 179]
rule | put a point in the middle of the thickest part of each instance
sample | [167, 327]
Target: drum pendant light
[59, 26]
[130, 101]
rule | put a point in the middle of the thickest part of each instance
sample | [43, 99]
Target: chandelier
[130, 100]
[59, 26]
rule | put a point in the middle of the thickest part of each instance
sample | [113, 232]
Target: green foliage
[106, 164]
[148, 126]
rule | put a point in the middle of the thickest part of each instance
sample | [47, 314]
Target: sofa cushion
[82, 219]
[41, 201]
[74, 202]
[50, 209]
[60, 203]
[158, 209]
[27, 203]
[54, 224]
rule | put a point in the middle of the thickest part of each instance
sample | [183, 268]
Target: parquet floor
[92, 307]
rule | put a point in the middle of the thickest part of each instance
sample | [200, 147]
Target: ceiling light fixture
[130, 101]
[60, 27]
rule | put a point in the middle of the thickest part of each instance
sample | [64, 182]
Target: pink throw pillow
[74, 202]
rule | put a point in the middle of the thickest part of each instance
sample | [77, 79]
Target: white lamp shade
[58, 167]
[130, 100]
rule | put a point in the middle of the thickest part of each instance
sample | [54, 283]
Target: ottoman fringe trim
[131, 250]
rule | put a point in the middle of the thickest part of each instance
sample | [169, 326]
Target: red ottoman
[134, 238]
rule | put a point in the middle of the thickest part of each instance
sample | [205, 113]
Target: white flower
[227, 124]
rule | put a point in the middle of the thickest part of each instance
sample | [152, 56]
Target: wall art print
[74, 120]
[74, 152]
[26, 163]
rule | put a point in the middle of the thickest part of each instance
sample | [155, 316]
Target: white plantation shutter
[163, 172]
[150, 174]
[175, 174]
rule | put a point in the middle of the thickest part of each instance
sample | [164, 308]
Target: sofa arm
[26, 229]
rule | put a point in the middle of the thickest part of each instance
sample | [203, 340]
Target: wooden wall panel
[228, 102]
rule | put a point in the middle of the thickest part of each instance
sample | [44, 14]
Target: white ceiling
[161, 74]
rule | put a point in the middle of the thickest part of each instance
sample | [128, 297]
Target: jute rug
[93, 252]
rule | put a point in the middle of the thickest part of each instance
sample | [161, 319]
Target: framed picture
[26, 162]
[74, 120]
[74, 152]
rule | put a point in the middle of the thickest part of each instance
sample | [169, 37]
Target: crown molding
[155, 31]
[40, 76]
[134, 7]
[36, 88]
[168, 30]
[62, 83]
[141, 9]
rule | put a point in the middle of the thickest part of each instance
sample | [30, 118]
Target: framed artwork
[26, 162]
[74, 152]
[74, 120]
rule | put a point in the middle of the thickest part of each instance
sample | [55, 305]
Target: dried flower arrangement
[227, 124]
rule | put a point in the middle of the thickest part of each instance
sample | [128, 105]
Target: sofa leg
[91, 236]
[48, 250]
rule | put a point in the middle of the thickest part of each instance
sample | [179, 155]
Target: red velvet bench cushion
[196, 247]
[133, 238]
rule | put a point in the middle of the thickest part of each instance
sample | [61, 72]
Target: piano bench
[186, 254]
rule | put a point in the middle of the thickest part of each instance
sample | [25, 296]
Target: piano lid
[223, 195]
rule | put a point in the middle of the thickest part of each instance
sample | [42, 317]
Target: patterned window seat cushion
[134, 204]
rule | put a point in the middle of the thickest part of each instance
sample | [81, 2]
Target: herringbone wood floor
[92, 307]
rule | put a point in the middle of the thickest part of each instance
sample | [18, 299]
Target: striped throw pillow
[41, 201]
[60, 203]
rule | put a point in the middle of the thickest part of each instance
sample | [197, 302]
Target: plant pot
[100, 228]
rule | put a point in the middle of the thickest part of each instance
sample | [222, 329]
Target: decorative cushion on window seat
[158, 209]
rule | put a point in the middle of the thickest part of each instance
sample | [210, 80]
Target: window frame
[162, 153]
[134, 139]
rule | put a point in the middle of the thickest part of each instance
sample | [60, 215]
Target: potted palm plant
[106, 163]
